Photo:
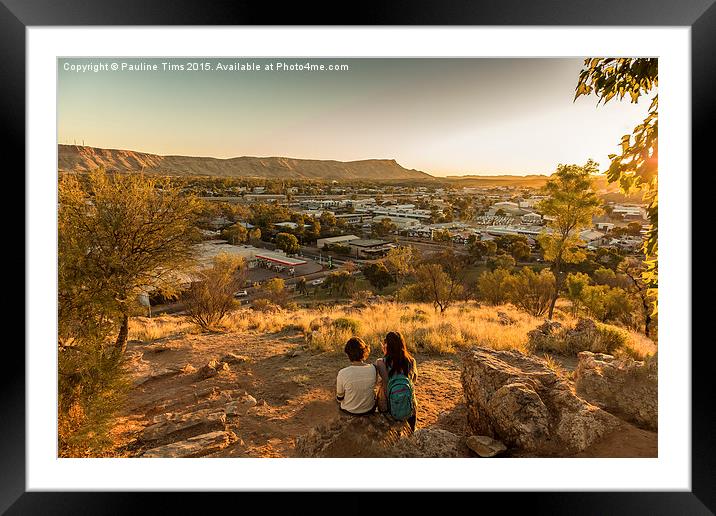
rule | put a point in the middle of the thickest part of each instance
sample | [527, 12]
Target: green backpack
[401, 396]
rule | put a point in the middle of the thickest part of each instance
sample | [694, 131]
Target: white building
[531, 218]
[594, 239]
[630, 211]
[510, 208]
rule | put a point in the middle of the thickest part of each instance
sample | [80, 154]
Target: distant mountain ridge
[78, 158]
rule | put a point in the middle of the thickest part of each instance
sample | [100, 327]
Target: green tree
[383, 227]
[400, 262]
[605, 276]
[340, 283]
[236, 234]
[606, 303]
[635, 167]
[492, 286]
[301, 287]
[378, 275]
[120, 235]
[571, 203]
[633, 268]
[531, 291]
[501, 261]
[288, 243]
[211, 297]
[480, 249]
[274, 290]
[254, 236]
[328, 219]
[437, 286]
[574, 285]
[442, 235]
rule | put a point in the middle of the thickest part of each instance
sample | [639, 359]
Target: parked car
[241, 293]
[317, 281]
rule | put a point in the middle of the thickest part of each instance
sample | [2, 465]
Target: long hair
[397, 356]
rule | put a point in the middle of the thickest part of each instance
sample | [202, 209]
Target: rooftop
[367, 242]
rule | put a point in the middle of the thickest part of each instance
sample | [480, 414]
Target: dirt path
[294, 390]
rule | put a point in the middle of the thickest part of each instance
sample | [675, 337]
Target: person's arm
[340, 388]
[382, 371]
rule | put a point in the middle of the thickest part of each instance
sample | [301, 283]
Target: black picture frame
[699, 15]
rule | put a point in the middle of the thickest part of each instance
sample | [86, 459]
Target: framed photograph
[289, 254]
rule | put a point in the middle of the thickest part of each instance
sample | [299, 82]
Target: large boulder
[432, 442]
[545, 335]
[485, 446]
[623, 386]
[353, 436]
[520, 401]
[378, 435]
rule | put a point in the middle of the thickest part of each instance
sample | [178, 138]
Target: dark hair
[356, 349]
[397, 357]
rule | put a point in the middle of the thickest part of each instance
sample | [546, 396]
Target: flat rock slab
[196, 446]
[158, 374]
[485, 446]
[233, 358]
[170, 427]
[212, 368]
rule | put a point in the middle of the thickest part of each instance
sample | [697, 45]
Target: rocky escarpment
[520, 401]
[77, 158]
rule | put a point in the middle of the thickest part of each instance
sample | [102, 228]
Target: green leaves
[636, 167]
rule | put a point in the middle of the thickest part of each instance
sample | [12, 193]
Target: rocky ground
[248, 395]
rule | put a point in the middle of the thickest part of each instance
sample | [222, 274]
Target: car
[317, 281]
[241, 293]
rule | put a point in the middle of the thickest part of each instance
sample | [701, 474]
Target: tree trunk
[120, 345]
[647, 321]
[557, 288]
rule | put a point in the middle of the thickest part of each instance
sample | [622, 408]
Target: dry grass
[327, 328]
[147, 330]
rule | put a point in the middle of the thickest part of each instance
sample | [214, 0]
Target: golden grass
[148, 329]
[327, 328]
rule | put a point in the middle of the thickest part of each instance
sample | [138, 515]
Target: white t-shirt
[355, 384]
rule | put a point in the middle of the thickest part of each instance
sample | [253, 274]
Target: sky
[444, 116]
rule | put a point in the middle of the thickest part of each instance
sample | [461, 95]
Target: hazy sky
[441, 116]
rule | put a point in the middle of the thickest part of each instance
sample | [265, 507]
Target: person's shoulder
[344, 371]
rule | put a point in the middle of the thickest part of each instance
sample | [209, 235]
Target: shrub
[605, 303]
[92, 388]
[612, 338]
[501, 261]
[328, 338]
[265, 305]
[346, 323]
[414, 318]
[531, 291]
[209, 300]
[492, 286]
